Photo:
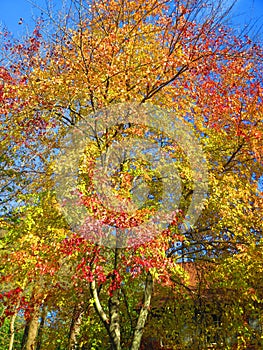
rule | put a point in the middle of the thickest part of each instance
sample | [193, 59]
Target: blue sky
[12, 10]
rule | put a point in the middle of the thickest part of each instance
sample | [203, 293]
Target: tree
[181, 56]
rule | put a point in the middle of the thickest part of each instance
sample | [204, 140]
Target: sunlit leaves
[175, 55]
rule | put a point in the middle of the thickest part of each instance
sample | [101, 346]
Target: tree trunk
[25, 335]
[111, 323]
[75, 327]
[12, 331]
[32, 331]
[114, 308]
[12, 321]
[41, 327]
[137, 337]
[114, 305]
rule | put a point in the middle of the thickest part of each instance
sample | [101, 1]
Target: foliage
[67, 291]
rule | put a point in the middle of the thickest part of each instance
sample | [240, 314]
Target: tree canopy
[131, 154]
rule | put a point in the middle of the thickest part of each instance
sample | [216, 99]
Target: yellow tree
[180, 57]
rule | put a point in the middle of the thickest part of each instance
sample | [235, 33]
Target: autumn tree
[103, 68]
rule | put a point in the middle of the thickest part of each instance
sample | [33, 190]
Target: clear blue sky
[12, 10]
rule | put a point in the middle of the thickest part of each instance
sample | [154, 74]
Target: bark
[98, 306]
[41, 327]
[25, 335]
[12, 331]
[32, 331]
[111, 323]
[114, 305]
[75, 327]
[138, 332]
[114, 309]
[12, 322]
